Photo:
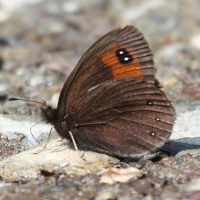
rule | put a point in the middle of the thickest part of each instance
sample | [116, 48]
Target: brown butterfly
[111, 101]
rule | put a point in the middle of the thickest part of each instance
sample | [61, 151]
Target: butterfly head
[48, 114]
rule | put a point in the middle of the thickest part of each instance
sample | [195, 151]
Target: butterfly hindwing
[125, 118]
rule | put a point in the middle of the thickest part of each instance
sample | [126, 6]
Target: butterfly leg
[75, 146]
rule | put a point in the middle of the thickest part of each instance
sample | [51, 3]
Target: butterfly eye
[124, 56]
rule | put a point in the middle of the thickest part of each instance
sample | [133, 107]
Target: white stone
[195, 41]
[71, 7]
[29, 163]
[187, 127]
[9, 127]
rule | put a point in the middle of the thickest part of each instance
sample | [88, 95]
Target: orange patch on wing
[120, 70]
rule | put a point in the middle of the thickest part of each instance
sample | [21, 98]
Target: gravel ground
[41, 41]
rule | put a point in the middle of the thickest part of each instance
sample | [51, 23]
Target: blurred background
[42, 40]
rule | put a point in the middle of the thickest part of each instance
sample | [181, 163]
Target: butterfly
[111, 102]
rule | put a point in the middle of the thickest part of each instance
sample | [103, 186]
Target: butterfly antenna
[29, 84]
[33, 101]
[18, 99]
[75, 146]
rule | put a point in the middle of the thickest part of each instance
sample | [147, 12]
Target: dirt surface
[41, 41]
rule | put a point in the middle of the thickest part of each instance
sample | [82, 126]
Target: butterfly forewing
[100, 64]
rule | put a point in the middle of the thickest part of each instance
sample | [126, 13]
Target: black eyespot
[123, 56]
[150, 103]
[152, 134]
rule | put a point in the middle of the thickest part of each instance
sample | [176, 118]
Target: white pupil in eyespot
[121, 52]
[126, 58]
[152, 134]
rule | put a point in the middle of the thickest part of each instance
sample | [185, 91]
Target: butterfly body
[111, 101]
